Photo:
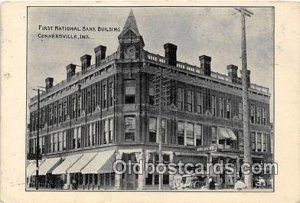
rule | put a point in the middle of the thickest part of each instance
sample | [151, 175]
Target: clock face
[130, 52]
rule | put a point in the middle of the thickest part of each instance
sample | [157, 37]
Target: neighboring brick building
[109, 111]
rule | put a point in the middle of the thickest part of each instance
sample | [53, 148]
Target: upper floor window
[265, 141]
[79, 105]
[111, 131]
[264, 121]
[130, 125]
[164, 130]
[152, 129]
[130, 91]
[213, 105]
[104, 95]
[253, 141]
[111, 94]
[151, 94]
[199, 102]
[198, 134]
[252, 113]
[258, 140]
[180, 99]
[214, 134]
[180, 133]
[190, 134]
[228, 109]
[221, 107]
[74, 107]
[190, 100]
[258, 115]
[93, 99]
[240, 110]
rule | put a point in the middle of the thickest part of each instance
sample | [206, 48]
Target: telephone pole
[247, 138]
[160, 158]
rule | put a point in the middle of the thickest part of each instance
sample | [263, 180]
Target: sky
[212, 31]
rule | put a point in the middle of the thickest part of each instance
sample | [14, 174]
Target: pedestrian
[262, 182]
[212, 184]
[74, 186]
[239, 185]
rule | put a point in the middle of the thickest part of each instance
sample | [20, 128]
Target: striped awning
[81, 163]
[223, 134]
[226, 133]
[66, 164]
[231, 134]
[31, 168]
[48, 165]
[101, 163]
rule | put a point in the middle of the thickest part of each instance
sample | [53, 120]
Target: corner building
[108, 110]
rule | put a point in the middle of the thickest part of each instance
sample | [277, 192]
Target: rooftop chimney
[85, 62]
[232, 72]
[170, 54]
[205, 63]
[49, 83]
[248, 77]
[71, 68]
[100, 52]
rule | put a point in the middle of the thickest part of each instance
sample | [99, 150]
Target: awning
[48, 165]
[66, 164]
[223, 134]
[102, 163]
[31, 168]
[231, 134]
[81, 163]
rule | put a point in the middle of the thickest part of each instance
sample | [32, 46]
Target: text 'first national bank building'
[108, 111]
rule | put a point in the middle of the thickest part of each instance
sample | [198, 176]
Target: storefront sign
[210, 148]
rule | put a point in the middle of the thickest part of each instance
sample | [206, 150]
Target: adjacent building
[108, 110]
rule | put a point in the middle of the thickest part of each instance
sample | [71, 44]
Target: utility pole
[37, 143]
[247, 138]
[160, 158]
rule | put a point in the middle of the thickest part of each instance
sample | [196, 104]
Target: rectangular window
[265, 141]
[55, 142]
[151, 93]
[152, 129]
[54, 114]
[180, 99]
[89, 107]
[93, 133]
[73, 107]
[50, 115]
[130, 91]
[190, 134]
[214, 135]
[198, 134]
[253, 141]
[111, 94]
[106, 131]
[228, 109]
[130, 125]
[79, 138]
[164, 130]
[60, 141]
[93, 99]
[64, 140]
[221, 107]
[190, 100]
[64, 110]
[111, 130]
[252, 113]
[74, 137]
[180, 133]
[59, 112]
[213, 105]
[104, 97]
[258, 115]
[240, 109]
[79, 105]
[199, 102]
[258, 141]
[264, 116]
[88, 136]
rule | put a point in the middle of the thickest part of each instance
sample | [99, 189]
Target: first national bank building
[109, 110]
